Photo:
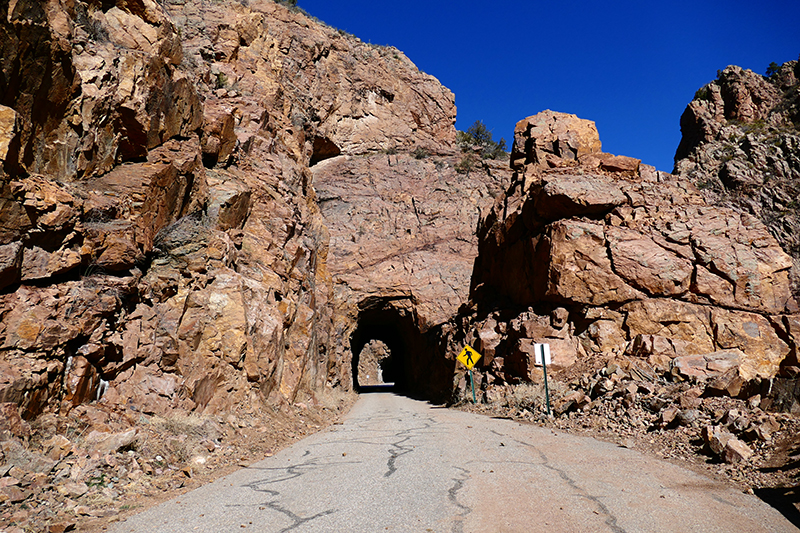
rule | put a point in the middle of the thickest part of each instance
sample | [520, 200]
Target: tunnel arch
[418, 367]
[379, 320]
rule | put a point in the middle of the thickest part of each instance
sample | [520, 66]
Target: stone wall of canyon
[213, 207]
[601, 255]
[162, 246]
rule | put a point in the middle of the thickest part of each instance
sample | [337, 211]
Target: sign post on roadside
[541, 357]
[468, 357]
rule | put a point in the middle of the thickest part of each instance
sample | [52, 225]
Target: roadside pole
[468, 357]
[546, 389]
[542, 357]
[472, 381]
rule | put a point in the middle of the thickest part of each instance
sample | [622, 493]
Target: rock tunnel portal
[390, 352]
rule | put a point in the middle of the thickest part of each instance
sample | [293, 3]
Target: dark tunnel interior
[385, 325]
[415, 365]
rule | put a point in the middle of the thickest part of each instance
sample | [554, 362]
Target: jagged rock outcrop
[628, 261]
[741, 146]
[402, 239]
[161, 247]
[325, 89]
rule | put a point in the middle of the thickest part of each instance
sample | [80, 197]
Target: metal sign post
[542, 357]
[546, 390]
[472, 380]
[468, 357]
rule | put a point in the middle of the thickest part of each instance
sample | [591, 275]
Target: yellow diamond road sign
[468, 357]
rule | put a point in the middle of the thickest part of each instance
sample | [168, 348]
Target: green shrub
[420, 153]
[222, 80]
[465, 165]
[703, 93]
[772, 69]
[479, 136]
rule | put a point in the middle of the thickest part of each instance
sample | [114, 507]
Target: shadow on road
[383, 387]
[784, 499]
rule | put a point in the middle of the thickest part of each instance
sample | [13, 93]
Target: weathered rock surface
[637, 262]
[326, 90]
[404, 228]
[741, 146]
[161, 247]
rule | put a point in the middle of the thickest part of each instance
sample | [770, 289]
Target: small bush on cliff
[420, 153]
[465, 165]
[772, 69]
[479, 138]
[703, 93]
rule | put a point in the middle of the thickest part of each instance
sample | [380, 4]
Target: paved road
[400, 465]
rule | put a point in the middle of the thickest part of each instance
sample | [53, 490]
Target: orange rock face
[160, 246]
[214, 206]
[635, 257]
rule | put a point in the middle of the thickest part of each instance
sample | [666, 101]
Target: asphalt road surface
[401, 465]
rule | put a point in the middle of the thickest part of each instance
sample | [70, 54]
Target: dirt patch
[93, 467]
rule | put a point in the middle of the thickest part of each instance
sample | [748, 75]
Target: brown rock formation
[741, 147]
[402, 247]
[160, 245]
[632, 257]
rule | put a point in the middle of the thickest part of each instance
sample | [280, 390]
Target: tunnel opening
[390, 352]
[379, 345]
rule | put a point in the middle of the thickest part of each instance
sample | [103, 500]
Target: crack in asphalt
[452, 494]
[611, 520]
[399, 447]
[298, 520]
[290, 472]
[398, 450]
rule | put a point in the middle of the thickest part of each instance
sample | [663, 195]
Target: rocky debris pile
[741, 146]
[629, 262]
[64, 473]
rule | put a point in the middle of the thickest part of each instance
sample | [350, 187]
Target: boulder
[736, 451]
[550, 137]
[11, 423]
[716, 439]
[102, 443]
[704, 366]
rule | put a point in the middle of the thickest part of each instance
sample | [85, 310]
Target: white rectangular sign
[539, 351]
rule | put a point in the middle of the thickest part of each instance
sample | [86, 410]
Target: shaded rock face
[740, 145]
[160, 245]
[402, 243]
[629, 261]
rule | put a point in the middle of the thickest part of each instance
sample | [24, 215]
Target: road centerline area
[401, 465]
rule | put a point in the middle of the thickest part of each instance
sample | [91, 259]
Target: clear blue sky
[631, 66]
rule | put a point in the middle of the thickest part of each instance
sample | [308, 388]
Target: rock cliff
[741, 147]
[161, 244]
[600, 254]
